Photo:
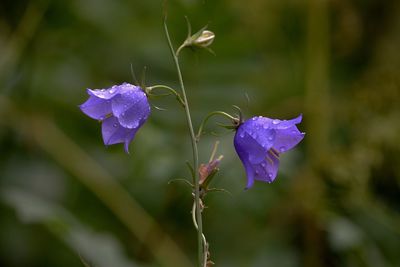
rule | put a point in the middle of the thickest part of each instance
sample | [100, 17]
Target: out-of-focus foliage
[335, 201]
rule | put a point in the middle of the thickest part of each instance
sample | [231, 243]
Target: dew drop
[282, 149]
[115, 125]
[269, 175]
[263, 164]
[270, 138]
[276, 122]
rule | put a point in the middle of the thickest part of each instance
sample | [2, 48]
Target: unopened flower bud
[205, 38]
[207, 171]
[201, 39]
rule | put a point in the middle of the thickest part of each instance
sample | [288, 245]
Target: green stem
[170, 90]
[211, 114]
[205, 244]
[195, 153]
[180, 49]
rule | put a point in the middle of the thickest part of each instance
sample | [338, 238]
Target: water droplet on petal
[241, 134]
[269, 175]
[135, 124]
[263, 164]
[270, 138]
[282, 149]
[115, 125]
[276, 122]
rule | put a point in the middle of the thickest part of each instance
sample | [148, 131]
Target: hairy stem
[195, 153]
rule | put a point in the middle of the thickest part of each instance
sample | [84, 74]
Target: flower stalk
[235, 121]
[170, 91]
[197, 206]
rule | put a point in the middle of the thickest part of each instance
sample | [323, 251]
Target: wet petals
[122, 109]
[259, 142]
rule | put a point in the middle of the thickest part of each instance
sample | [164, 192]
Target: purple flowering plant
[122, 110]
[259, 141]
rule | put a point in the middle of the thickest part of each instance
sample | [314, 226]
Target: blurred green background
[65, 196]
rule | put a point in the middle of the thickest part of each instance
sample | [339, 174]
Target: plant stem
[203, 236]
[211, 114]
[169, 89]
[194, 150]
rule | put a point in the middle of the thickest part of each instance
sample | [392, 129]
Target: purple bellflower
[122, 109]
[259, 142]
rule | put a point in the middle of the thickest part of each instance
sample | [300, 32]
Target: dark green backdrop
[64, 195]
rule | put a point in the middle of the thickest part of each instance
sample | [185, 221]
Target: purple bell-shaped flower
[122, 109]
[259, 142]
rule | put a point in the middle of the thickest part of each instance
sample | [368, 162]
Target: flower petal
[244, 157]
[258, 128]
[286, 139]
[96, 108]
[131, 108]
[106, 93]
[114, 133]
[285, 124]
[267, 170]
[129, 139]
[254, 151]
[249, 174]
